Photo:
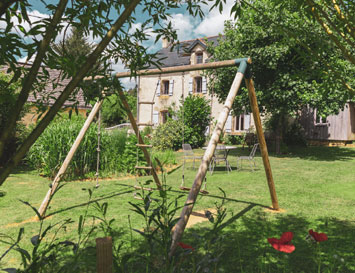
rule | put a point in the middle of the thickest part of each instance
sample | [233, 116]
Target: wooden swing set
[243, 71]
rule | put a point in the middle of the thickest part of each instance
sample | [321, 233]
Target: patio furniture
[221, 155]
[189, 154]
[250, 157]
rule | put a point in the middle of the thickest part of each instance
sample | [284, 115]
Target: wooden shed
[335, 128]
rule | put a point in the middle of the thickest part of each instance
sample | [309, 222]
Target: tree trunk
[279, 133]
[42, 125]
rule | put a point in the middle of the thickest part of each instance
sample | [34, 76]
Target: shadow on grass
[243, 247]
[103, 197]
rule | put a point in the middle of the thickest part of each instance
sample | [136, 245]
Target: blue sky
[187, 26]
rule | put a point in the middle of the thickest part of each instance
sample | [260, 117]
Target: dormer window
[199, 57]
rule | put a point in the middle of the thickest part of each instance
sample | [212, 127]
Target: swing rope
[183, 129]
[98, 150]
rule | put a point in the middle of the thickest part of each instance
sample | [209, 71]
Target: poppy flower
[185, 246]
[284, 243]
[318, 237]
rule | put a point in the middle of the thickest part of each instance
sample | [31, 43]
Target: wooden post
[263, 148]
[140, 140]
[42, 209]
[189, 204]
[104, 257]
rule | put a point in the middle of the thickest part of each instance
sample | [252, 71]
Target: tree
[335, 17]
[286, 79]
[95, 16]
[113, 112]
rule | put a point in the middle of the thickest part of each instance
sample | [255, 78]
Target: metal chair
[189, 154]
[220, 155]
[250, 157]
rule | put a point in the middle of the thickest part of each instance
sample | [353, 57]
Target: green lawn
[315, 188]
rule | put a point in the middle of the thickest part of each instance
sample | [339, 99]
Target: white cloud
[213, 23]
[184, 25]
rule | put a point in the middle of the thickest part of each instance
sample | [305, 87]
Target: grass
[315, 188]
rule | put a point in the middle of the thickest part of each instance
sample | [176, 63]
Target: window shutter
[171, 87]
[190, 85]
[246, 121]
[155, 117]
[204, 85]
[157, 90]
[229, 124]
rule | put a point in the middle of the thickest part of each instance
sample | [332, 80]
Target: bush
[8, 96]
[195, 113]
[168, 136]
[112, 148]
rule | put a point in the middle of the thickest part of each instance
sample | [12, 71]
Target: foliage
[50, 150]
[8, 95]
[168, 135]
[114, 113]
[333, 19]
[195, 113]
[286, 79]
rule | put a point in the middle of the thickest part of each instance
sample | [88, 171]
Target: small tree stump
[104, 257]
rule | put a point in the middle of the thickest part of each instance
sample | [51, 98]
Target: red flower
[284, 243]
[318, 237]
[185, 246]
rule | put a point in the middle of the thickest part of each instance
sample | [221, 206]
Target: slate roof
[49, 94]
[180, 53]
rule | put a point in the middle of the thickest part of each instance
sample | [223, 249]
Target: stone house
[167, 90]
[46, 98]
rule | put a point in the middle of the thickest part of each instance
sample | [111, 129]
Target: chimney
[165, 42]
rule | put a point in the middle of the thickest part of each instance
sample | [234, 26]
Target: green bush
[112, 148]
[8, 97]
[196, 115]
[168, 136]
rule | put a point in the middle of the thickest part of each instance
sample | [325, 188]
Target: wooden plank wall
[339, 127]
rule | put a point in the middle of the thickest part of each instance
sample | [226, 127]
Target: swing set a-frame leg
[191, 199]
[45, 203]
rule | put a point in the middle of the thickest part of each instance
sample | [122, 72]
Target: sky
[188, 27]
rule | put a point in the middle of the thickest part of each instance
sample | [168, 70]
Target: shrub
[112, 148]
[168, 136]
[8, 96]
[195, 113]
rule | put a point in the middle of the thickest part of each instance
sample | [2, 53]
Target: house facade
[167, 90]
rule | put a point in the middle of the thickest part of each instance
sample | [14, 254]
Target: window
[318, 119]
[199, 58]
[198, 85]
[239, 123]
[165, 88]
[164, 116]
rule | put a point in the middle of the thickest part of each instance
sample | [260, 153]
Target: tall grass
[118, 152]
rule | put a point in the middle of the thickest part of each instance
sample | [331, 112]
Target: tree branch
[91, 60]
[330, 33]
[5, 4]
[31, 77]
